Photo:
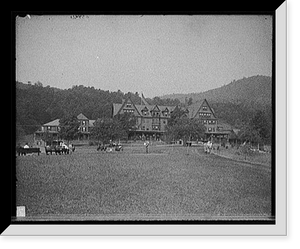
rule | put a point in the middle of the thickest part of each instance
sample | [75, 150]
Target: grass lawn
[167, 183]
[237, 154]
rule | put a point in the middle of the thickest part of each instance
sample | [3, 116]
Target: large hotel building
[151, 121]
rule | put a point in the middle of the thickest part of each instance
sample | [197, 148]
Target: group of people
[208, 147]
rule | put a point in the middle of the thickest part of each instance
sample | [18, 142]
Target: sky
[151, 54]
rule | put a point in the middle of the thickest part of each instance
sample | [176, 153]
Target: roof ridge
[81, 116]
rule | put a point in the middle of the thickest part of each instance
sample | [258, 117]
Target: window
[204, 108]
[204, 121]
[128, 110]
[155, 114]
[165, 113]
[128, 105]
[155, 127]
[209, 128]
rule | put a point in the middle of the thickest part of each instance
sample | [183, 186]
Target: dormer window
[165, 113]
[145, 111]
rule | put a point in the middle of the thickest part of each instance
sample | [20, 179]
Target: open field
[167, 183]
[236, 154]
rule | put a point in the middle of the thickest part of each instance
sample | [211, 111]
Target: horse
[101, 147]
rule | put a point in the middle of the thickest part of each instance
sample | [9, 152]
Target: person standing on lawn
[209, 146]
[147, 145]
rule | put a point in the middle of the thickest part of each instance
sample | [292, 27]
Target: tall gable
[52, 123]
[127, 107]
[201, 110]
[155, 108]
[82, 117]
[116, 109]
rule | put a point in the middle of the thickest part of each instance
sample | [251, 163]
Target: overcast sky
[155, 55]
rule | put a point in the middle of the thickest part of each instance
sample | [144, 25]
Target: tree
[249, 134]
[127, 121]
[19, 132]
[177, 114]
[262, 126]
[257, 130]
[186, 129]
[69, 127]
[107, 129]
[190, 101]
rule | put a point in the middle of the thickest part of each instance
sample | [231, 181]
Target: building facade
[50, 130]
[151, 122]
[216, 129]
[153, 119]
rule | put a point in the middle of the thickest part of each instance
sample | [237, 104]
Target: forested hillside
[36, 104]
[236, 103]
[255, 90]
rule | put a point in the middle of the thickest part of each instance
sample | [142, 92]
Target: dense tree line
[36, 105]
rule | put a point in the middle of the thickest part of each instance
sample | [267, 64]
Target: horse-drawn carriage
[24, 151]
[58, 147]
[110, 147]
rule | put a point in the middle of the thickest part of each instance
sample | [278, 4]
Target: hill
[234, 103]
[252, 90]
[36, 104]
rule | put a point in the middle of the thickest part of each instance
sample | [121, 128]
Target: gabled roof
[155, 108]
[52, 123]
[117, 108]
[56, 121]
[145, 109]
[82, 117]
[195, 108]
[91, 123]
[143, 100]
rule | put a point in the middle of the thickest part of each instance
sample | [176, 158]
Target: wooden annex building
[51, 130]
